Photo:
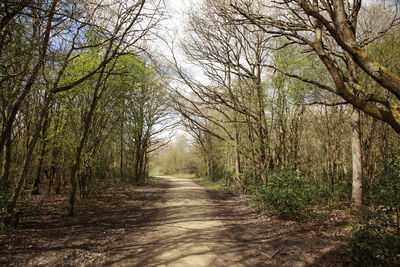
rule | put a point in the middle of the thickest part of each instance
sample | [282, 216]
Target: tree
[329, 30]
[47, 38]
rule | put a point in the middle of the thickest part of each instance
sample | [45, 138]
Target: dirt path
[186, 232]
[173, 222]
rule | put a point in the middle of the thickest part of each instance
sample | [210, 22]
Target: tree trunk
[5, 175]
[357, 184]
[53, 170]
[121, 163]
[59, 182]
[36, 183]
[77, 162]
[238, 168]
[237, 148]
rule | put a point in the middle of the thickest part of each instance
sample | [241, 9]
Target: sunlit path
[185, 232]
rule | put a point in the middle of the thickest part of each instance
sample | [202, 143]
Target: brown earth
[174, 222]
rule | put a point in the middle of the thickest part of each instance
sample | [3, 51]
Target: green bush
[376, 240]
[291, 195]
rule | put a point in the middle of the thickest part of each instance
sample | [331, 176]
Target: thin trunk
[54, 161]
[238, 164]
[28, 157]
[59, 182]
[77, 162]
[238, 168]
[53, 169]
[253, 149]
[5, 175]
[121, 163]
[36, 183]
[137, 159]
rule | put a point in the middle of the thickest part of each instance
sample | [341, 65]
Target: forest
[295, 103]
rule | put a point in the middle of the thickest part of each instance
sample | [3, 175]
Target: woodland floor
[172, 222]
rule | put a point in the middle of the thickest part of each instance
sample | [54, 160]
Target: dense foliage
[290, 195]
[79, 98]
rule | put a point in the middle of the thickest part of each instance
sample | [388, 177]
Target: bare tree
[329, 30]
[233, 58]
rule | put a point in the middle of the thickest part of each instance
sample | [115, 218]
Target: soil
[172, 222]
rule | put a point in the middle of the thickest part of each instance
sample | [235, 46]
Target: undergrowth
[376, 241]
[290, 195]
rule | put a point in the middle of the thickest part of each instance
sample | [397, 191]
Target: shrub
[376, 240]
[291, 195]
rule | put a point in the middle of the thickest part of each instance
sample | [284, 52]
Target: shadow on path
[174, 222]
[185, 232]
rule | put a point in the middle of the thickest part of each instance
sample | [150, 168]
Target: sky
[172, 29]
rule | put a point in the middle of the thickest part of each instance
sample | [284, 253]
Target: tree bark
[238, 167]
[121, 163]
[357, 183]
[36, 182]
[5, 175]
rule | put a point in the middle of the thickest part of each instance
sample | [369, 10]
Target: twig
[322, 103]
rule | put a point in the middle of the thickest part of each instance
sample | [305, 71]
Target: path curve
[184, 232]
